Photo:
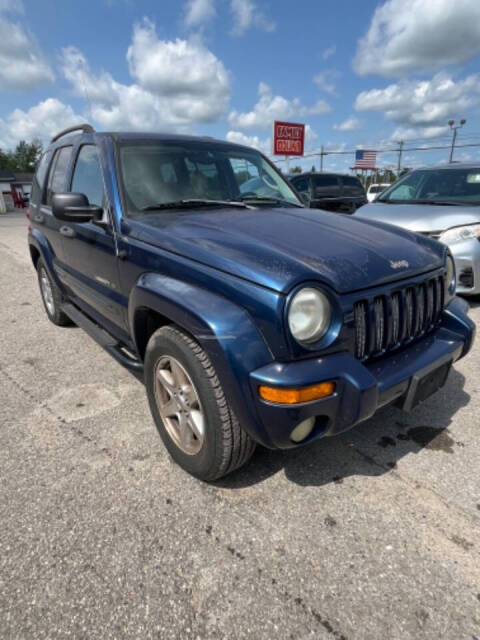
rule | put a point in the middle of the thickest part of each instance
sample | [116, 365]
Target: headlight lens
[460, 234]
[451, 280]
[309, 315]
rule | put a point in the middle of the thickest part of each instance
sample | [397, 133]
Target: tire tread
[236, 445]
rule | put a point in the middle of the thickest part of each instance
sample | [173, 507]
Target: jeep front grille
[388, 321]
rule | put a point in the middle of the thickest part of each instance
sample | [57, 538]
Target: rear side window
[326, 186]
[87, 175]
[301, 184]
[58, 173]
[352, 186]
[39, 179]
[43, 168]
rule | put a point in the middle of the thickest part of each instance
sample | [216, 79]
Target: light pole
[454, 136]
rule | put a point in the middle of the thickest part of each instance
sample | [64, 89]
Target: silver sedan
[443, 203]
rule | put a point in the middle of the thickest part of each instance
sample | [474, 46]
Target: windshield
[165, 173]
[448, 186]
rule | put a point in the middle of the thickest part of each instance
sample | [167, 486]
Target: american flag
[365, 159]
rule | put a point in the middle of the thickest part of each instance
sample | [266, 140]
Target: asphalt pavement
[374, 534]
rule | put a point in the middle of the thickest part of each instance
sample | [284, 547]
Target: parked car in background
[250, 318]
[330, 191]
[375, 189]
[442, 203]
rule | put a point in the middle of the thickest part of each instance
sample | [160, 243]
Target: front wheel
[200, 431]
[51, 297]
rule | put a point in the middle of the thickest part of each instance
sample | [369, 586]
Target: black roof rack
[86, 128]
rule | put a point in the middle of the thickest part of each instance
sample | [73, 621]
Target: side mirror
[74, 207]
[305, 196]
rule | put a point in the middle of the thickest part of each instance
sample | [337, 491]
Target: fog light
[302, 430]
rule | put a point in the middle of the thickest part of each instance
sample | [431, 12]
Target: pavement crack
[281, 590]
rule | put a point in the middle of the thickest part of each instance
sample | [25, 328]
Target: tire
[222, 445]
[51, 297]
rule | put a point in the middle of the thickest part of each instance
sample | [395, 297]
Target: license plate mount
[426, 383]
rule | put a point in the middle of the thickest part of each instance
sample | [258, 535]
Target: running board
[103, 338]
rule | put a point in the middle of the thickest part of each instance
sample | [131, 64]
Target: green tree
[296, 169]
[25, 156]
[4, 159]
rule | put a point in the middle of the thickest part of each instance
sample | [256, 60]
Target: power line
[333, 152]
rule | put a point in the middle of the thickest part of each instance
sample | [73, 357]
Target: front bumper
[361, 388]
[467, 263]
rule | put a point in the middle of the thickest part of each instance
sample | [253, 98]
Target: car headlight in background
[460, 234]
[309, 315]
[451, 280]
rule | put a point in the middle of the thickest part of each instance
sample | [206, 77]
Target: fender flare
[39, 241]
[223, 329]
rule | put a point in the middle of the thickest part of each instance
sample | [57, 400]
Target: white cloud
[177, 68]
[350, 124]
[325, 80]
[409, 133]
[329, 51]
[22, 64]
[246, 15]
[265, 146]
[271, 107]
[425, 105]
[419, 35]
[179, 83]
[198, 12]
[41, 121]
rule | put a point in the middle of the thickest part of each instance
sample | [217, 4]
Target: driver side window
[87, 175]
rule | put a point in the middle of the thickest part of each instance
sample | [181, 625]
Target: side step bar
[104, 339]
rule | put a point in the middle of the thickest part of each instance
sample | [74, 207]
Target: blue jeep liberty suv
[250, 318]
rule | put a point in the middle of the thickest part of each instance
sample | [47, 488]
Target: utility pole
[454, 136]
[399, 163]
[321, 158]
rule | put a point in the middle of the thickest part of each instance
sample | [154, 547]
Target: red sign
[288, 138]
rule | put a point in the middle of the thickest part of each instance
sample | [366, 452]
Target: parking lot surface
[372, 534]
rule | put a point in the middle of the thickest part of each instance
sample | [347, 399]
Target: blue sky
[359, 74]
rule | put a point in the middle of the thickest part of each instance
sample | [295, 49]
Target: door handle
[68, 232]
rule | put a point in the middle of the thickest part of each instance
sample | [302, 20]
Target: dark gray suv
[330, 191]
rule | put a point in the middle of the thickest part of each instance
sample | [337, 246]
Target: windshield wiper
[192, 203]
[440, 203]
[268, 200]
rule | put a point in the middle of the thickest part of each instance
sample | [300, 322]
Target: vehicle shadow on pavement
[372, 448]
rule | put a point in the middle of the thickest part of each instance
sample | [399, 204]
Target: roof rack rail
[86, 128]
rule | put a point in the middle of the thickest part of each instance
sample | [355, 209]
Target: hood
[278, 248]
[422, 218]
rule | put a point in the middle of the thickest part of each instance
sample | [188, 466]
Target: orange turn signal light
[296, 396]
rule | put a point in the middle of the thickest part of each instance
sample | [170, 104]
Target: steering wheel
[266, 179]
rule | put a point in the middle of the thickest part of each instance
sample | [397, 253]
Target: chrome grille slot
[420, 310]
[360, 313]
[439, 289]
[430, 299]
[408, 314]
[388, 321]
[395, 318]
[379, 312]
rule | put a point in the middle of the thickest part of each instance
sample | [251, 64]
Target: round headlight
[309, 315]
[451, 280]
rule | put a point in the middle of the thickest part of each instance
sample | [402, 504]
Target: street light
[454, 136]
